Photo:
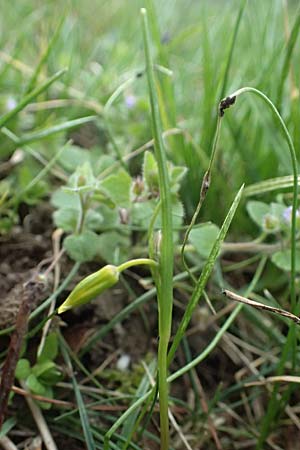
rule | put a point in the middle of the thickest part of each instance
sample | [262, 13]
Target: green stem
[165, 284]
[288, 138]
[204, 188]
[290, 344]
[137, 262]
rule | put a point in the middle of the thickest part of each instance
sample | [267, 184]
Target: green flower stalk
[98, 282]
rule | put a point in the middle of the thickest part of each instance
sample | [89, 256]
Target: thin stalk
[121, 419]
[165, 288]
[295, 182]
[114, 96]
[137, 262]
[290, 344]
[204, 188]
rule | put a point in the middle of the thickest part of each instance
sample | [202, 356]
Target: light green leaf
[83, 177]
[34, 385]
[257, 211]
[177, 173]
[66, 218]
[49, 394]
[50, 349]
[51, 376]
[93, 220]
[63, 199]
[203, 238]
[113, 247]
[73, 157]
[44, 366]
[150, 172]
[282, 260]
[277, 209]
[141, 213]
[117, 187]
[47, 372]
[23, 369]
[82, 247]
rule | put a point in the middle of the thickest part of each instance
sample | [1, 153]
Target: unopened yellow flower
[90, 287]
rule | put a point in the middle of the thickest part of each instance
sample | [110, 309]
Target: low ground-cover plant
[44, 374]
[100, 211]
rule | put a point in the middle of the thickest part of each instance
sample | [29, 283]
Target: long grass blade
[165, 288]
[231, 49]
[43, 134]
[287, 59]
[270, 185]
[29, 97]
[44, 57]
[206, 272]
[89, 440]
[130, 423]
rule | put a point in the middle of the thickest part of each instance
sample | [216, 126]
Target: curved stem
[288, 138]
[291, 340]
[204, 188]
[137, 262]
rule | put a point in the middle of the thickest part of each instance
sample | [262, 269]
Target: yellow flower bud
[90, 287]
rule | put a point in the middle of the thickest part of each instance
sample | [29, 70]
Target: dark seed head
[225, 104]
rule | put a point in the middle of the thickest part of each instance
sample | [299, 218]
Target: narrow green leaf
[227, 66]
[7, 426]
[206, 271]
[129, 425]
[287, 59]
[43, 134]
[89, 440]
[28, 98]
[165, 288]
[44, 57]
[272, 184]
